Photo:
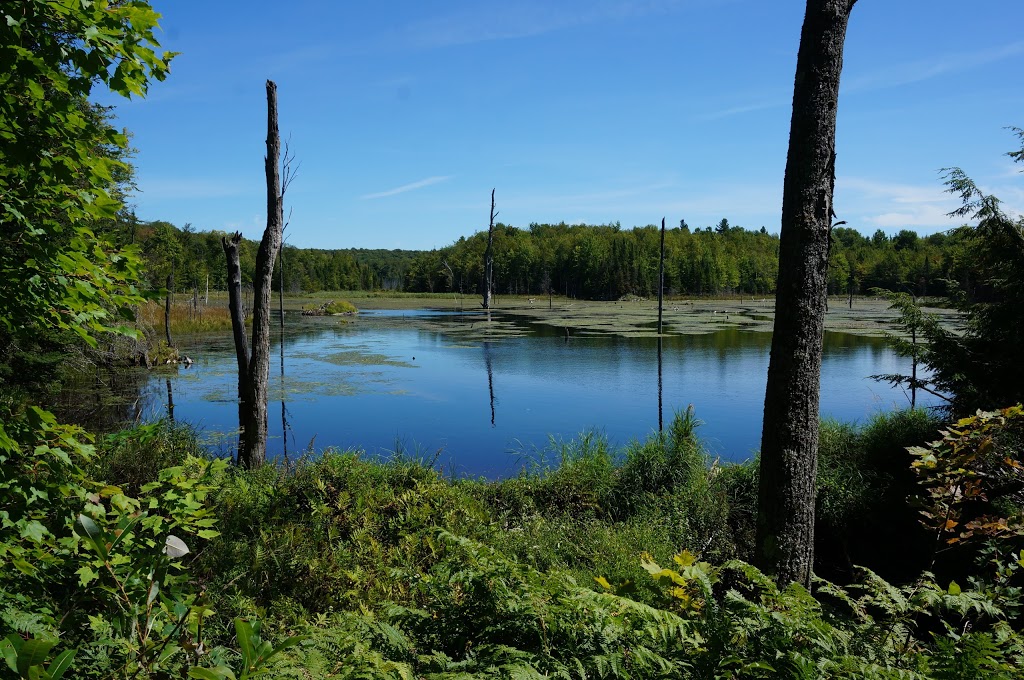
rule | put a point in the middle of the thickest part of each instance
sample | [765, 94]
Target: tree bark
[489, 259]
[661, 279]
[254, 367]
[235, 306]
[789, 443]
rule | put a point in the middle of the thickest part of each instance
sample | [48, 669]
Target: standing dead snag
[661, 277]
[489, 259]
[254, 368]
[789, 443]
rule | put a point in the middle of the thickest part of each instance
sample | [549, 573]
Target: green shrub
[324, 536]
[864, 516]
[341, 307]
[85, 564]
[131, 458]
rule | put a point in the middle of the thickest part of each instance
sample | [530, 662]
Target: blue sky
[404, 114]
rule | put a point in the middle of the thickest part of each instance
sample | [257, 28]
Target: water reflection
[378, 380]
[170, 402]
[490, 376]
[661, 408]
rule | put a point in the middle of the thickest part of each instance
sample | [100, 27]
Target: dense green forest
[594, 262]
[197, 259]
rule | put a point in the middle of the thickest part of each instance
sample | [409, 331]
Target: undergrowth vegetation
[143, 557]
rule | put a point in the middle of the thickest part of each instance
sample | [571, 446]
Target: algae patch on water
[354, 357]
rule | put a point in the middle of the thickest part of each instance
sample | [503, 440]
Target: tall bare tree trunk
[661, 279]
[489, 259]
[235, 306]
[254, 368]
[789, 443]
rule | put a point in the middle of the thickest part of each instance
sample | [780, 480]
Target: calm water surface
[382, 384]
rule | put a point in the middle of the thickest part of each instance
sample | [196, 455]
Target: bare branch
[289, 169]
[287, 222]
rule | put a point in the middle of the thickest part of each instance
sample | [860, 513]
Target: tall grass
[864, 515]
[329, 533]
[186, 317]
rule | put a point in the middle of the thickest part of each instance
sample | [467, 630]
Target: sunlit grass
[186, 318]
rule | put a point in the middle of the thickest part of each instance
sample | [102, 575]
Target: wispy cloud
[875, 203]
[412, 186]
[891, 205]
[484, 22]
[932, 67]
[892, 76]
[744, 108]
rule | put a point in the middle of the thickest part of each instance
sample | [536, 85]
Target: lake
[485, 399]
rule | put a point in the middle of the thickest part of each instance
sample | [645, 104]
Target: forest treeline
[599, 262]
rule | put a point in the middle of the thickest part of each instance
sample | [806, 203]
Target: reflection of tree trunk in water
[490, 376]
[284, 415]
[280, 302]
[170, 402]
[661, 423]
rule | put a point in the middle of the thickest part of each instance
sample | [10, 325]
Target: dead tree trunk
[489, 259]
[235, 306]
[789, 444]
[661, 279]
[254, 368]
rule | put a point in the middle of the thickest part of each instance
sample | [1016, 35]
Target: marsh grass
[165, 444]
[330, 532]
[186, 318]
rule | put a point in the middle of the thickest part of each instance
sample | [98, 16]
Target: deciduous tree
[55, 273]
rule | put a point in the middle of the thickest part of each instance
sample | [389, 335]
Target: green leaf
[86, 575]
[287, 643]
[9, 647]
[24, 567]
[216, 673]
[33, 653]
[61, 664]
[34, 531]
[125, 532]
[93, 535]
